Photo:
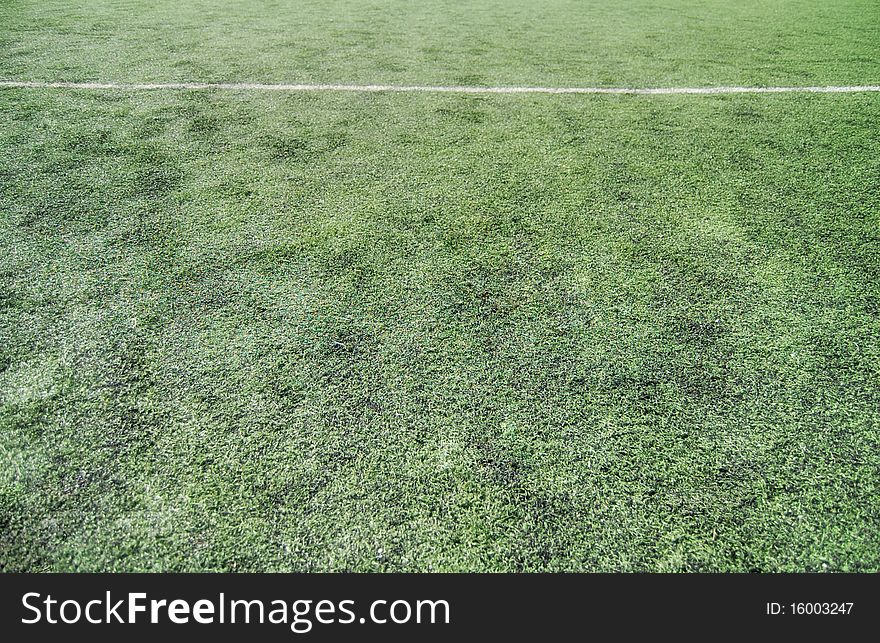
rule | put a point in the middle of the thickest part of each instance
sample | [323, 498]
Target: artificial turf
[421, 332]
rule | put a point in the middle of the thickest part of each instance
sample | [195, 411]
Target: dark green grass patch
[408, 332]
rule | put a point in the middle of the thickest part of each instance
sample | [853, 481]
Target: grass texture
[414, 332]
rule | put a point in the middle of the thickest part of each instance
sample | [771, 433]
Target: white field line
[448, 89]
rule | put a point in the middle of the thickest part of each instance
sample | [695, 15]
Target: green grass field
[316, 331]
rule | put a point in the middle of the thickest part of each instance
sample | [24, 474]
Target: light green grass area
[414, 332]
[466, 42]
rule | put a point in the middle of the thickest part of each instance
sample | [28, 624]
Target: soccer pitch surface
[314, 330]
